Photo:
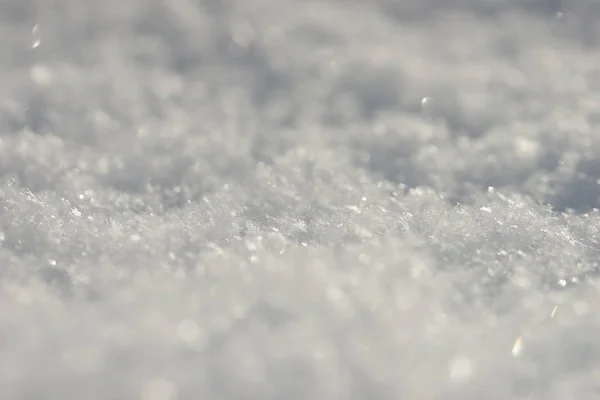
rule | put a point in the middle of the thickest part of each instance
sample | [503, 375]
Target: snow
[256, 199]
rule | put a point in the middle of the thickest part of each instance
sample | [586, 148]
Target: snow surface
[286, 199]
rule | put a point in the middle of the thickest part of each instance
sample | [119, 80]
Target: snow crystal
[256, 199]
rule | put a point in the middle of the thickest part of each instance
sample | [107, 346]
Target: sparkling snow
[287, 199]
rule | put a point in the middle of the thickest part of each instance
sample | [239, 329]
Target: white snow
[257, 199]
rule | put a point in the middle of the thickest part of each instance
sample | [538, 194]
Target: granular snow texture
[299, 199]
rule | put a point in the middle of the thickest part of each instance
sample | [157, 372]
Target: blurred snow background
[258, 199]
